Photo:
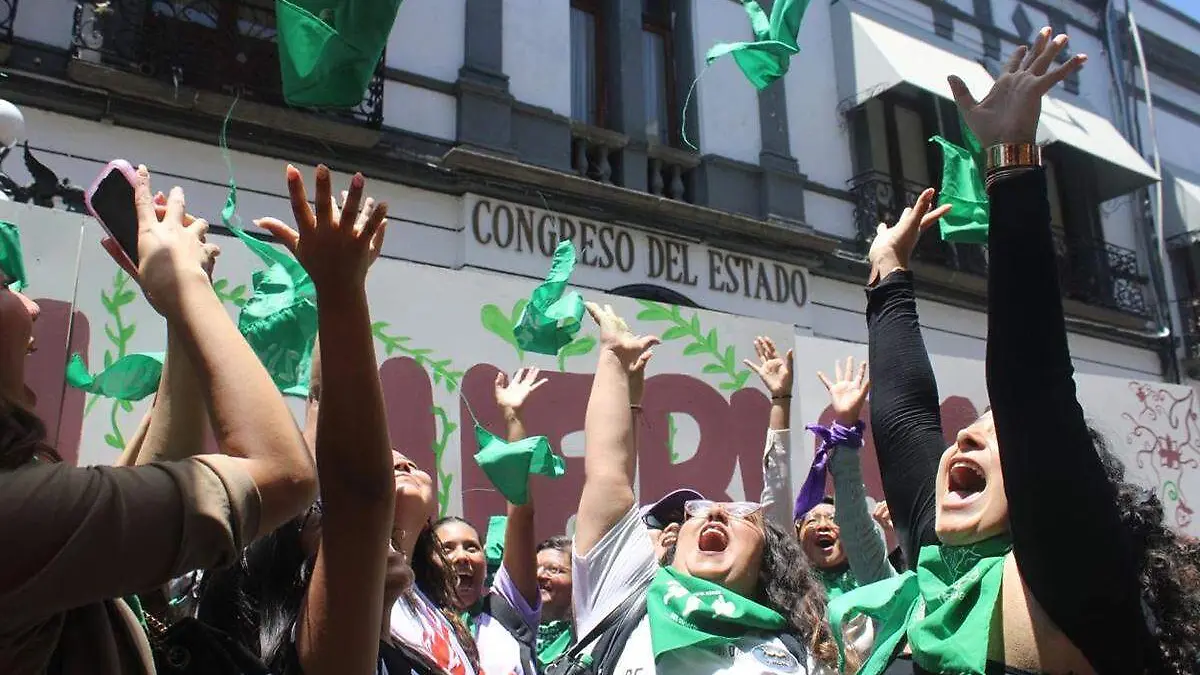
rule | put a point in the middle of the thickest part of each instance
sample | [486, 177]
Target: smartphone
[110, 200]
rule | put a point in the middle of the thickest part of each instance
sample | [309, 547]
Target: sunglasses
[701, 508]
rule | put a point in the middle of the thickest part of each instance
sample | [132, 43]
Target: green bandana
[493, 545]
[12, 260]
[767, 58]
[552, 317]
[129, 378]
[837, 583]
[329, 49]
[687, 611]
[964, 190]
[553, 638]
[508, 465]
[958, 587]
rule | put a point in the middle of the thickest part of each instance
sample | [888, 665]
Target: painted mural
[441, 335]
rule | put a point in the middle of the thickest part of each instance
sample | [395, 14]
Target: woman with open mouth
[735, 597]
[1032, 555]
[503, 617]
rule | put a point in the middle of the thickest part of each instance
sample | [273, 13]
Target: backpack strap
[792, 643]
[572, 661]
[512, 620]
[611, 645]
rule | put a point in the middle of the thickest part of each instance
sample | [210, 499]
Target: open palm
[848, 391]
[774, 370]
[512, 395]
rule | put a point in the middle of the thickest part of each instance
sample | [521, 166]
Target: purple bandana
[813, 489]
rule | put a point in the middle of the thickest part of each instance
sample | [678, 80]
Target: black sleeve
[906, 419]
[1067, 534]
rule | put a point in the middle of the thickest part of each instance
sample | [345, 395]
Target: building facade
[496, 127]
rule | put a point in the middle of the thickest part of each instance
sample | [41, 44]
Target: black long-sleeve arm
[1066, 528]
[906, 419]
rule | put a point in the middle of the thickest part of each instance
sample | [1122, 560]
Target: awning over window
[1119, 168]
[872, 58]
[1181, 202]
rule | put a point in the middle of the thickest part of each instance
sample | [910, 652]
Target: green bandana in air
[553, 639]
[329, 49]
[129, 378]
[552, 317]
[958, 586]
[964, 190]
[767, 58]
[837, 583]
[12, 259]
[279, 321]
[687, 611]
[508, 465]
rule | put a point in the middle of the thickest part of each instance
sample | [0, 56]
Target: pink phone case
[126, 169]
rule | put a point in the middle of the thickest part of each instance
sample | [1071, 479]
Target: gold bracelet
[1013, 155]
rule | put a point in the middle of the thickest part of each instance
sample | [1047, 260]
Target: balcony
[177, 51]
[8, 14]
[595, 153]
[1091, 272]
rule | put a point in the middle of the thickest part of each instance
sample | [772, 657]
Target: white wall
[45, 21]
[428, 38]
[420, 110]
[1157, 21]
[819, 138]
[537, 52]
[724, 100]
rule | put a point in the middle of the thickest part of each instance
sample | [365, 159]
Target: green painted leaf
[108, 359]
[742, 377]
[711, 339]
[106, 301]
[219, 285]
[579, 346]
[518, 308]
[653, 312]
[128, 332]
[713, 369]
[496, 323]
[695, 348]
[675, 332]
[238, 291]
[113, 442]
[126, 406]
[111, 335]
[695, 324]
[124, 298]
[378, 326]
[730, 358]
[727, 386]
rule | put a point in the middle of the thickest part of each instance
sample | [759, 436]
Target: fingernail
[357, 181]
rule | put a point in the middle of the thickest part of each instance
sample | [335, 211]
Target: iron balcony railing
[1094, 272]
[225, 46]
[1189, 321]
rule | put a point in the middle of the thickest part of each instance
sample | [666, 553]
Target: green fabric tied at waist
[329, 49]
[767, 58]
[944, 609]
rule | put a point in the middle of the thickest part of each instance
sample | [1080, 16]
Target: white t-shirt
[499, 651]
[421, 626]
[623, 563]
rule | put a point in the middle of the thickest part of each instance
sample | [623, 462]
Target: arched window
[655, 294]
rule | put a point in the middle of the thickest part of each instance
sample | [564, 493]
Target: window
[658, 72]
[587, 62]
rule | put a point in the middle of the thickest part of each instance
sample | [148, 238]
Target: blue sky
[1189, 7]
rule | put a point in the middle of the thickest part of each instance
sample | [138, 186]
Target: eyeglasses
[553, 570]
[701, 508]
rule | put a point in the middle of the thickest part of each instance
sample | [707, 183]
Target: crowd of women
[1021, 549]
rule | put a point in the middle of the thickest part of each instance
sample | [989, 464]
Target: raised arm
[776, 375]
[520, 546]
[1044, 440]
[866, 550]
[608, 431]
[339, 627]
[906, 421]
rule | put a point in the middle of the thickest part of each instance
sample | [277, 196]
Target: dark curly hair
[432, 574]
[1170, 576]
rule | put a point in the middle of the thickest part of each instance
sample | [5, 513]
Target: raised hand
[172, 247]
[884, 517]
[334, 245]
[893, 246]
[1010, 111]
[290, 238]
[510, 396]
[616, 338]
[775, 371]
[848, 391]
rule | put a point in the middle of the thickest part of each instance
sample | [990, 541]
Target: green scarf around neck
[944, 608]
[553, 638]
[687, 611]
[837, 582]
